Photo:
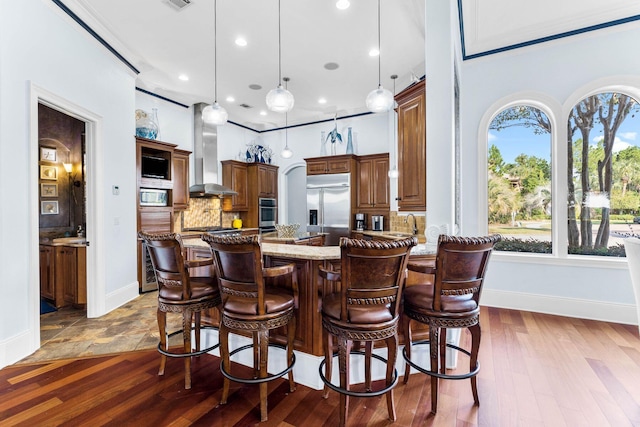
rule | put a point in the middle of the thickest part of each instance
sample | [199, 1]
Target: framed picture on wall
[49, 154]
[49, 207]
[48, 190]
[48, 172]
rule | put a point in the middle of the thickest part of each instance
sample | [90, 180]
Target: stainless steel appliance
[360, 221]
[148, 282]
[377, 222]
[153, 197]
[267, 213]
[329, 205]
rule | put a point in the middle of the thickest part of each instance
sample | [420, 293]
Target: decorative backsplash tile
[202, 212]
[398, 224]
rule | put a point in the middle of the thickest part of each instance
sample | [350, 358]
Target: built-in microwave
[154, 197]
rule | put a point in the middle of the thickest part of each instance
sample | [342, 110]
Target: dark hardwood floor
[536, 370]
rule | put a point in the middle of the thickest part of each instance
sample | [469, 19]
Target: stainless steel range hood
[206, 159]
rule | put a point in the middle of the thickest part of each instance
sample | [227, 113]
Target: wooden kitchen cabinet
[235, 176]
[330, 164]
[181, 179]
[373, 182]
[48, 274]
[266, 178]
[412, 148]
[71, 274]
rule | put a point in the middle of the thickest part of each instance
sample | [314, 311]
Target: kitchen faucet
[415, 226]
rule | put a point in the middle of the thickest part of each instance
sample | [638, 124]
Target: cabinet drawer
[156, 221]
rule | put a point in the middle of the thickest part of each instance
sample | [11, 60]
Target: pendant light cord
[280, 47]
[215, 51]
[379, 53]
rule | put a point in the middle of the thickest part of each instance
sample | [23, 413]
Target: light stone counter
[287, 251]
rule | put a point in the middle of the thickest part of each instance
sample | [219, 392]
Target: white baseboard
[121, 296]
[16, 348]
[562, 306]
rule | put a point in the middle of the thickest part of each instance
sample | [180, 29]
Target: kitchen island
[307, 259]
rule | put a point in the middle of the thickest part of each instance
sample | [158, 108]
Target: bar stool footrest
[257, 380]
[190, 354]
[358, 393]
[438, 374]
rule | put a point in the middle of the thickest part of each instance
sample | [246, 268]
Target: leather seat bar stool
[255, 300]
[178, 292]
[450, 301]
[365, 308]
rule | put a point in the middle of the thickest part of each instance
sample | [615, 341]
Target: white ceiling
[162, 43]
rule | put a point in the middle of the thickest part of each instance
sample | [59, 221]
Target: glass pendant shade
[286, 152]
[280, 100]
[393, 172]
[215, 114]
[379, 100]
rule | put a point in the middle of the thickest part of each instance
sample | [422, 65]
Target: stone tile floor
[67, 333]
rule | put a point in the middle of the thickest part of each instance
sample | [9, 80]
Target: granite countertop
[273, 237]
[309, 252]
[65, 241]
[285, 250]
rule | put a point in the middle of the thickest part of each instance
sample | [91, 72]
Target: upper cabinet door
[267, 181]
[412, 149]
[235, 176]
[373, 181]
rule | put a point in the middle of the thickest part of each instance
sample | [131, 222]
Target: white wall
[175, 122]
[40, 46]
[585, 287]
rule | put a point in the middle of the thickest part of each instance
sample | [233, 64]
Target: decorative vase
[349, 142]
[323, 144]
[147, 124]
[333, 148]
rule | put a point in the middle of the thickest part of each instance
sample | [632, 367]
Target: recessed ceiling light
[322, 101]
[343, 4]
[374, 52]
[240, 41]
[183, 77]
[255, 86]
[230, 99]
[263, 113]
[331, 66]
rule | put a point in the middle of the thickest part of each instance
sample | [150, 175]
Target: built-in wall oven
[267, 214]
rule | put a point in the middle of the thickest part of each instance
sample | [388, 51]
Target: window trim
[550, 108]
[628, 85]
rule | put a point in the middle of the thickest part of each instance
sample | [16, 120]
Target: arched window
[519, 179]
[603, 174]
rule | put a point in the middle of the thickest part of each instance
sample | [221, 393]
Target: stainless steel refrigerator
[329, 205]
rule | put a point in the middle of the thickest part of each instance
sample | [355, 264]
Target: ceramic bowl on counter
[287, 230]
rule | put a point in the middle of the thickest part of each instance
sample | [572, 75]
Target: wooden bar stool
[252, 304]
[178, 292]
[364, 309]
[451, 301]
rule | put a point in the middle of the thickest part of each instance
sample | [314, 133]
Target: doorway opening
[62, 212]
[295, 200]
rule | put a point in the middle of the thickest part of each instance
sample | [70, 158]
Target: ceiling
[162, 42]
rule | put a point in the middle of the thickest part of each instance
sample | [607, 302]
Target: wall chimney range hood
[206, 159]
[210, 190]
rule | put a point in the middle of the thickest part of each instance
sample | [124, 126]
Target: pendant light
[215, 114]
[279, 99]
[379, 100]
[286, 152]
[393, 172]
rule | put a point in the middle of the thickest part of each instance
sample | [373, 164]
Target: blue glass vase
[349, 142]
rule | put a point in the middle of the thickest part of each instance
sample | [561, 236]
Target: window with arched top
[603, 174]
[519, 179]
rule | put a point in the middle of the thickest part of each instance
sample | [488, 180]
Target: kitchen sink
[71, 240]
